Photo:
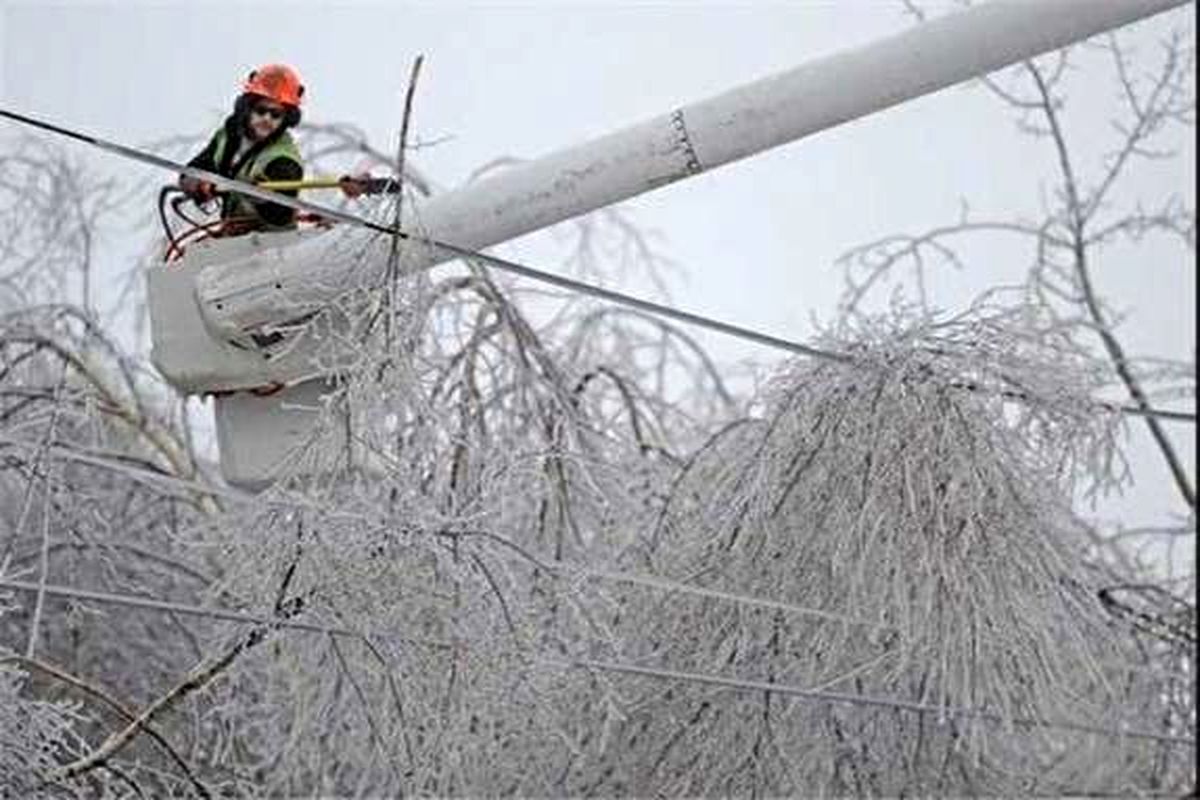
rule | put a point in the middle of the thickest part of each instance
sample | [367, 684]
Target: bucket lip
[196, 357]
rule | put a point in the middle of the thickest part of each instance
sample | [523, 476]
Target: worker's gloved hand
[198, 190]
[354, 185]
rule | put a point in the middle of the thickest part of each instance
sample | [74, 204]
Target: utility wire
[581, 287]
[151, 604]
[666, 585]
[854, 699]
[605, 575]
[609, 666]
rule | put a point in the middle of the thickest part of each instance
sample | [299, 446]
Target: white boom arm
[243, 295]
[238, 286]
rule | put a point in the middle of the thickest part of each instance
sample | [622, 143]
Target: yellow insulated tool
[308, 183]
[369, 185]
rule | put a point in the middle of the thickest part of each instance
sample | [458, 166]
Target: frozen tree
[1093, 219]
[561, 556]
[1084, 216]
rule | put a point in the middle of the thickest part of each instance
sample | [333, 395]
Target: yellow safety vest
[238, 206]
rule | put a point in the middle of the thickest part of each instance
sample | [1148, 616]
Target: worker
[254, 145]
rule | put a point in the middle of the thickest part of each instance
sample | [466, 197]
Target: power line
[170, 607]
[853, 699]
[629, 669]
[571, 284]
[662, 584]
[717, 594]
[618, 577]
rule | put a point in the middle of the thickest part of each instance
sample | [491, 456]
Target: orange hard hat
[276, 81]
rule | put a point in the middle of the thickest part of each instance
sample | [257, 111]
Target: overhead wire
[666, 585]
[507, 265]
[171, 607]
[617, 667]
[854, 699]
[597, 574]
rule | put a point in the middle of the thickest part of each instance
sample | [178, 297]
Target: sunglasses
[274, 112]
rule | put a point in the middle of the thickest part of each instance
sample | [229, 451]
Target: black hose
[162, 216]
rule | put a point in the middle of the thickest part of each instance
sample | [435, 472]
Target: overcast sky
[757, 239]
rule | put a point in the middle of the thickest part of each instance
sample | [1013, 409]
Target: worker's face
[265, 117]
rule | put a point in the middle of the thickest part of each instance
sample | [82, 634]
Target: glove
[354, 185]
[200, 191]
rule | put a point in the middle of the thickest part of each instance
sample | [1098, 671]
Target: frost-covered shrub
[35, 736]
[919, 495]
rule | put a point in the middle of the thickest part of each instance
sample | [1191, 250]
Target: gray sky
[757, 239]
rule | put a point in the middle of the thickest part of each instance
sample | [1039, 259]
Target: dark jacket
[218, 156]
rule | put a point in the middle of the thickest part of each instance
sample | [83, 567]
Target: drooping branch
[1079, 215]
[106, 697]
